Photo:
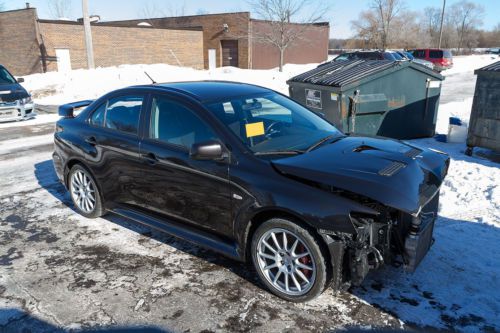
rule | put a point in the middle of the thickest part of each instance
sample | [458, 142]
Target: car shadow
[16, 320]
[47, 179]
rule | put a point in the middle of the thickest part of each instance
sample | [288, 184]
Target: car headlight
[26, 100]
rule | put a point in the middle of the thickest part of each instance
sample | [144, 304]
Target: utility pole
[441, 28]
[88, 34]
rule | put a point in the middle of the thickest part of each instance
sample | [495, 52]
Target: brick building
[233, 37]
[30, 45]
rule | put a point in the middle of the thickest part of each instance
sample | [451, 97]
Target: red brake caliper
[304, 260]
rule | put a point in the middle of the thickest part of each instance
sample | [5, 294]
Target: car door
[113, 140]
[174, 185]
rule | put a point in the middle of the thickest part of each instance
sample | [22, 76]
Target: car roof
[205, 91]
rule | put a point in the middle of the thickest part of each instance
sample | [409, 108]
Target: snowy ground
[58, 269]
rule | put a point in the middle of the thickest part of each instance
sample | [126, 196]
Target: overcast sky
[341, 14]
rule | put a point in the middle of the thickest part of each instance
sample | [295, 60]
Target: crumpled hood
[12, 92]
[391, 172]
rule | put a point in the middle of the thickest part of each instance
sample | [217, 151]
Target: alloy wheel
[83, 191]
[286, 262]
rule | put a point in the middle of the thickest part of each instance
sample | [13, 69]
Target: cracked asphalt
[62, 272]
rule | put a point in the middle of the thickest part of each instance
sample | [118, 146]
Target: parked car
[493, 50]
[15, 102]
[410, 57]
[247, 172]
[442, 59]
[367, 55]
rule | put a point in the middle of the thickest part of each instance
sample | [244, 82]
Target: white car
[15, 102]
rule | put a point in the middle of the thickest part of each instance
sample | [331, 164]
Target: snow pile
[56, 88]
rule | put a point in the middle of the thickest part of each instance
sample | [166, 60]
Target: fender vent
[391, 169]
[412, 153]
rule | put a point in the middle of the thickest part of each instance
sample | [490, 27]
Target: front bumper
[16, 111]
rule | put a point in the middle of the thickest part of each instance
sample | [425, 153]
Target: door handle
[150, 158]
[91, 141]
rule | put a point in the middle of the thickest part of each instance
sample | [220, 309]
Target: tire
[288, 261]
[84, 192]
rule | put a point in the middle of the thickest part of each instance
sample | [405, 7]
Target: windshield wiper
[279, 152]
[319, 143]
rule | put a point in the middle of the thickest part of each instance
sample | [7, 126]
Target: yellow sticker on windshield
[254, 129]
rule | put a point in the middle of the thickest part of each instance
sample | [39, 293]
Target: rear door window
[123, 113]
[97, 117]
[435, 54]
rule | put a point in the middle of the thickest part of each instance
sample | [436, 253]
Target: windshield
[272, 123]
[5, 77]
[409, 55]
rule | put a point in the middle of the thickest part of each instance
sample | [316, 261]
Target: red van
[442, 59]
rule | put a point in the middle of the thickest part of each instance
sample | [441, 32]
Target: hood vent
[412, 153]
[363, 148]
[391, 169]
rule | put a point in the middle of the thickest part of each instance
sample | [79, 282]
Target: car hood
[391, 172]
[12, 92]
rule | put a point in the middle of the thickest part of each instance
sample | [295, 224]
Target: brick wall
[19, 48]
[213, 32]
[123, 45]
[312, 47]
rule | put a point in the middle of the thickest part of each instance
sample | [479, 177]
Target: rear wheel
[289, 260]
[84, 192]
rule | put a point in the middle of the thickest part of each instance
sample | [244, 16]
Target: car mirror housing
[207, 150]
[20, 80]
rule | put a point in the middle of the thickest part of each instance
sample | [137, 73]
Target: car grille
[391, 169]
[5, 104]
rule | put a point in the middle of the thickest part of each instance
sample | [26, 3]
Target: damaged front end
[392, 237]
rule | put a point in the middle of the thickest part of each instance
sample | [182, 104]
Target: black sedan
[251, 174]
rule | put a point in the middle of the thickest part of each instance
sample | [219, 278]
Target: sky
[341, 14]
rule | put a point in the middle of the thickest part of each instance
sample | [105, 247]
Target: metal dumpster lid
[339, 74]
[494, 67]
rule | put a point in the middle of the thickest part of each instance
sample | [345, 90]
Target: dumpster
[396, 99]
[484, 123]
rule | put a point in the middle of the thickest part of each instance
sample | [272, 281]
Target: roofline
[177, 17]
[296, 23]
[111, 24]
[17, 10]
[164, 86]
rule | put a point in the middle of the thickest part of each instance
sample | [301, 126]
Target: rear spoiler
[67, 110]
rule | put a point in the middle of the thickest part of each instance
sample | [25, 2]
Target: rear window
[368, 55]
[418, 53]
[122, 113]
[435, 54]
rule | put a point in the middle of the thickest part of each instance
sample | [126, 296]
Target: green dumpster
[396, 99]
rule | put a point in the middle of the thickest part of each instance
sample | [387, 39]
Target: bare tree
[376, 23]
[170, 9]
[279, 14]
[60, 8]
[367, 28]
[467, 18]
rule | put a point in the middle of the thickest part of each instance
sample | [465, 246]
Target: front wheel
[84, 192]
[289, 260]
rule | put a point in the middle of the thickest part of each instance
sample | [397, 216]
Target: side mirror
[207, 150]
[20, 80]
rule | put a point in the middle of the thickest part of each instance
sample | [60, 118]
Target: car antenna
[154, 82]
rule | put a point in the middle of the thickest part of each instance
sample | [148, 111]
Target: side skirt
[187, 233]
